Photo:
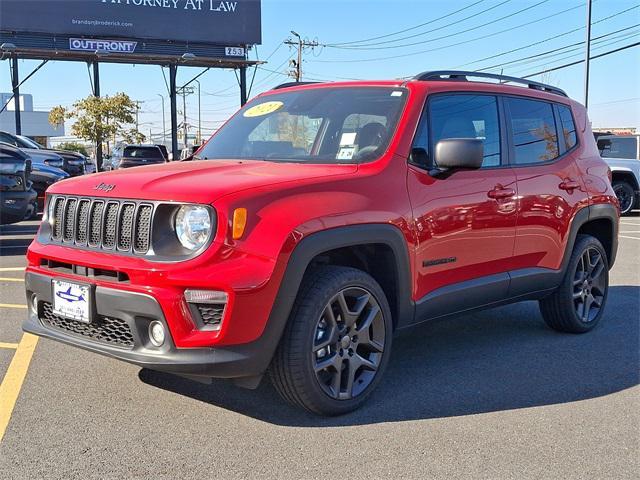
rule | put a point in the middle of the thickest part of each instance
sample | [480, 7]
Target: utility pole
[185, 91]
[300, 44]
[164, 127]
[587, 56]
[137, 111]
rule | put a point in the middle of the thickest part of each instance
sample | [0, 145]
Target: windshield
[26, 142]
[318, 125]
[143, 152]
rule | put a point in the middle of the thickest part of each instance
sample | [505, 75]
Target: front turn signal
[239, 223]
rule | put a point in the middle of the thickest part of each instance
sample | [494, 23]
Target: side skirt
[487, 292]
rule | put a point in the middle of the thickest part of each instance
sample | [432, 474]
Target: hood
[39, 156]
[198, 181]
[69, 155]
[50, 171]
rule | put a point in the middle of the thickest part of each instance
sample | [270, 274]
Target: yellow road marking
[11, 269]
[11, 305]
[13, 379]
[8, 345]
[7, 279]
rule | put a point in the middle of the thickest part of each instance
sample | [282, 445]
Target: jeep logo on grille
[105, 187]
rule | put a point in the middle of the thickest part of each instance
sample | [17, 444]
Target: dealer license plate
[72, 301]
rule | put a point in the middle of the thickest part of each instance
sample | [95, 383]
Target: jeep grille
[101, 224]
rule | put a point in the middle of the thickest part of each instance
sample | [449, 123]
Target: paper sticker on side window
[345, 153]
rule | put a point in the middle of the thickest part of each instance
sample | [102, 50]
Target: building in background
[35, 124]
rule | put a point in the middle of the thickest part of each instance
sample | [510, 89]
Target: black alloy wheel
[349, 343]
[589, 285]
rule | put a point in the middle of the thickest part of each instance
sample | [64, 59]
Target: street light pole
[587, 55]
[164, 128]
[199, 115]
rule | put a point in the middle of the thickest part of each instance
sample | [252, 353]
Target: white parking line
[633, 238]
[12, 269]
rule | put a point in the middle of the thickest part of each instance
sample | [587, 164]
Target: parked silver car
[622, 153]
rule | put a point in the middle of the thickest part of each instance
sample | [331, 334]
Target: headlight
[52, 162]
[193, 226]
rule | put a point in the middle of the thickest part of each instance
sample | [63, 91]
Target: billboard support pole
[15, 81]
[96, 93]
[174, 111]
[243, 85]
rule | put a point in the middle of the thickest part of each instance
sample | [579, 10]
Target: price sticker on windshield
[263, 109]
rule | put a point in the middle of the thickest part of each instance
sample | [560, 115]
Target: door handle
[569, 185]
[500, 192]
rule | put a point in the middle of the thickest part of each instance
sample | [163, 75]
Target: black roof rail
[293, 84]
[462, 76]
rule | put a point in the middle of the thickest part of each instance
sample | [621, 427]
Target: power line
[524, 47]
[565, 47]
[443, 47]
[578, 62]
[372, 46]
[407, 29]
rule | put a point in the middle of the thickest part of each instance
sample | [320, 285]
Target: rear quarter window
[568, 127]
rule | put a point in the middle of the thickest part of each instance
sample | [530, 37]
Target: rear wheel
[336, 344]
[626, 196]
[578, 304]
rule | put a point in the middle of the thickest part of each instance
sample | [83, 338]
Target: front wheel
[336, 344]
[578, 303]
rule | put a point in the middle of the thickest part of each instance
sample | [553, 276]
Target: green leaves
[98, 119]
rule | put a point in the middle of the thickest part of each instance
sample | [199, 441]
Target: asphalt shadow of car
[494, 360]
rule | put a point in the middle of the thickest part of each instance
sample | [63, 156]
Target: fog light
[156, 333]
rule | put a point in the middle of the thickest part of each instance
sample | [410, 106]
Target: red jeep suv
[320, 219]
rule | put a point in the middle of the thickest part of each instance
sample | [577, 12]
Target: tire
[626, 196]
[578, 303]
[327, 361]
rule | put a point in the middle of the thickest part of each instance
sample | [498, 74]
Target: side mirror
[27, 169]
[456, 153]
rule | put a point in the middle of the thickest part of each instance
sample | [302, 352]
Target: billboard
[236, 22]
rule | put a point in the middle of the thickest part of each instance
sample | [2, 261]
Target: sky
[359, 39]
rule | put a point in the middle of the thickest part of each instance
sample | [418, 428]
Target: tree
[100, 119]
[74, 147]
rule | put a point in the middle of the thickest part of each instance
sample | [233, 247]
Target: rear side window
[466, 116]
[534, 130]
[568, 127]
[617, 147]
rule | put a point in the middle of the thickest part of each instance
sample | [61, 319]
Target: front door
[465, 220]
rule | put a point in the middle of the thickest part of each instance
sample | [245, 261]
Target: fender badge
[438, 261]
[105, 187]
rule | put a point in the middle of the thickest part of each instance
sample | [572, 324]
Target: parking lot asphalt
[493, 394]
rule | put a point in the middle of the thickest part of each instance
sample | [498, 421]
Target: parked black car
[17, 198]
[42, 177]
[136, 156]
[71, 162]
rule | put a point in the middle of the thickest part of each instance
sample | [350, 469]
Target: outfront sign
[88, 45]
[219, 22]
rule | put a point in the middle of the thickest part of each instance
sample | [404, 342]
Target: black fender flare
[600, 211]
[263, 349]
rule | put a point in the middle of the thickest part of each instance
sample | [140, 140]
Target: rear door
[465, 219]
[543, 150]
